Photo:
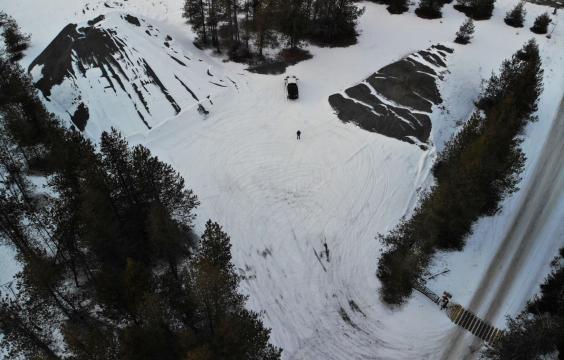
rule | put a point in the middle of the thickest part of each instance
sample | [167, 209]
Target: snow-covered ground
[282, 200]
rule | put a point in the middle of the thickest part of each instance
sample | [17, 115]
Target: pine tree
[541, 24]
[229, 16]
[24, 114]
[526, 337]
[27, 333]
[107, 262]
[464, 34]
[482, 9]
[516, 16]
[293, 20]
[551, 298]
[327, 22]
[333, 22]
[476, 9]
[463, 6]
[398, 6]
[538, 331]
[195, 12]
[429, 9]
[264, 15]
[16, 42]
[233, 331]
[108, 265]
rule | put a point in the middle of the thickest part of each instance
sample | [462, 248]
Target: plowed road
[544, 194]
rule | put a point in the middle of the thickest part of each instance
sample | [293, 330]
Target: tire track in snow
[344, 185]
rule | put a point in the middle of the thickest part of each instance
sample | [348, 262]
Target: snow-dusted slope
[120, 71]
[44, 20]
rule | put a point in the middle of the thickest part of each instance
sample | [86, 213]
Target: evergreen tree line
[538, 331]
[247, 27]
[473, 9]
[111, 268]
[475, 172]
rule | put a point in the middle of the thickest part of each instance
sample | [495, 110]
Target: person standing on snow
[299, 133]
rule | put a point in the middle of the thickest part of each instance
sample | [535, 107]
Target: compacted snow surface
[303, 215]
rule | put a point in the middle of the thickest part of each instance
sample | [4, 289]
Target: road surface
[544, 193]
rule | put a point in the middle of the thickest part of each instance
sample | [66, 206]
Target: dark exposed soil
[132, 20]
[293, 56]
[178, 61]
[80, 117]
[343, 41]
[187, 88]
[92, 46]
[96, 20]
[269, 67]
[406, 92]
[75, 50]
[284, 59]
[160, 85]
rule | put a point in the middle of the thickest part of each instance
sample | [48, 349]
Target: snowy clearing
[282, 200]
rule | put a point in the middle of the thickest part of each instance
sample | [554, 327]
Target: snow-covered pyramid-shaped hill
[397, 100]
[120, 71]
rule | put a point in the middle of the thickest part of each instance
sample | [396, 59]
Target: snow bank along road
[525, 236]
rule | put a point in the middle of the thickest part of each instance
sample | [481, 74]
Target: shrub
[398, 6]
[429, 9]
[476, 9]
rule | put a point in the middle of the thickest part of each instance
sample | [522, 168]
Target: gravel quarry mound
[397, 100]
[118, 70]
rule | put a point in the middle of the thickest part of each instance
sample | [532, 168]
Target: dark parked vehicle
[291, 85]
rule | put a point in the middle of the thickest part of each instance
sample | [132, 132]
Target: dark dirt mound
[396, 100]
[96, 20]
[293, 56]
[285, 58]
[78, 49]
[92, 46]
[80, 117]
[268, 67]
[132, 20]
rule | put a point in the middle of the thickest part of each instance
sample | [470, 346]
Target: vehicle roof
[291, 79]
